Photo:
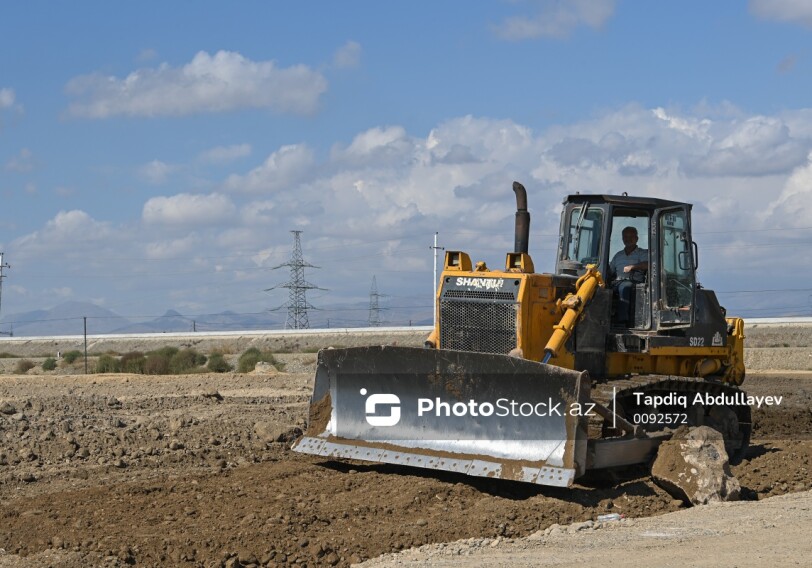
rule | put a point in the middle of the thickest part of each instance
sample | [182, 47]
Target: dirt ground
[773, 532]
[194, 470]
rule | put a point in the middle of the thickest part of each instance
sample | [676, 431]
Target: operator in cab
[626, 268]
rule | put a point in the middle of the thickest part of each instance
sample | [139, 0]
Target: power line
[760, 291]
[752, 230]
[755, 245]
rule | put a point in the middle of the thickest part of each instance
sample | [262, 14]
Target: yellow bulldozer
[542, 377]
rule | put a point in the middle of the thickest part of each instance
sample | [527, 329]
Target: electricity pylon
[374, 307]
[297, 304]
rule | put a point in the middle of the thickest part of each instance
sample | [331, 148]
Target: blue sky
[155, 155]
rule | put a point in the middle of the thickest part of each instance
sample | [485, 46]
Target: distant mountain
[67, 318]
[171, 321]
[394, 312]
[230, 321]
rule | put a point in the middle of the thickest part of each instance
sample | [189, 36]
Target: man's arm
[641, 264]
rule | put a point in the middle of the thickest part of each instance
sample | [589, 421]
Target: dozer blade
[473, 413]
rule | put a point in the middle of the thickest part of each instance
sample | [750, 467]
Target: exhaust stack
[522, 219]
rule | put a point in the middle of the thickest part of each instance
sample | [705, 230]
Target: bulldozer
[541, 378]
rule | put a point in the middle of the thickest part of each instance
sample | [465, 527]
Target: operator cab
[664, 295]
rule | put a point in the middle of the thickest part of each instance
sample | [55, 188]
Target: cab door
[581, 239]
[676, 273]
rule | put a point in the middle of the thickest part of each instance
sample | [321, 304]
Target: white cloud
[18, 290]
[556, 19]
[67, 230]
[146, 54]
[23, 162]
[348, 55]
[209, 83]
[696, 144]
[757, 146]
[187, 209]
[385, 178]
[692, 127]
[259, 213]
[6, 97]
[72, 223]
[484, 140]
[225, 154]
[793, 206]
[376, 200]
[172, 248]
[377, 146]
[793, 11]
[62, 292]
[281, 169]
[156, 172]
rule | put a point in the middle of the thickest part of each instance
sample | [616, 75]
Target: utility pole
[297, 286]
[2, 266]
[374, 307]
[434, 289]
[85, 318]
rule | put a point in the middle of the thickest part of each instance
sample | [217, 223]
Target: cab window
[584, 238]
[677, 260]
[638, 220]
[620, 221]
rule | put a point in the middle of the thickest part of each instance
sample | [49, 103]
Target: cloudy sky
[156, 155]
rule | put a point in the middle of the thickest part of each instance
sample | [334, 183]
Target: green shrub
[107, 364]
[167, 352]
[156, 364]
[23, 366]
[133, 362]
[49, 364]
[249, 359]
[186, 360]
[218, 363]
[7, 355]
[71, 356]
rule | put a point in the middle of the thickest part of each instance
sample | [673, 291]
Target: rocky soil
[194, 470]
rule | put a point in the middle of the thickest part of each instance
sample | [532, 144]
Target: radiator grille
[478, 326]
[479, 295]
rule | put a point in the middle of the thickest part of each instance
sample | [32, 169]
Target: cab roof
[626, 200]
